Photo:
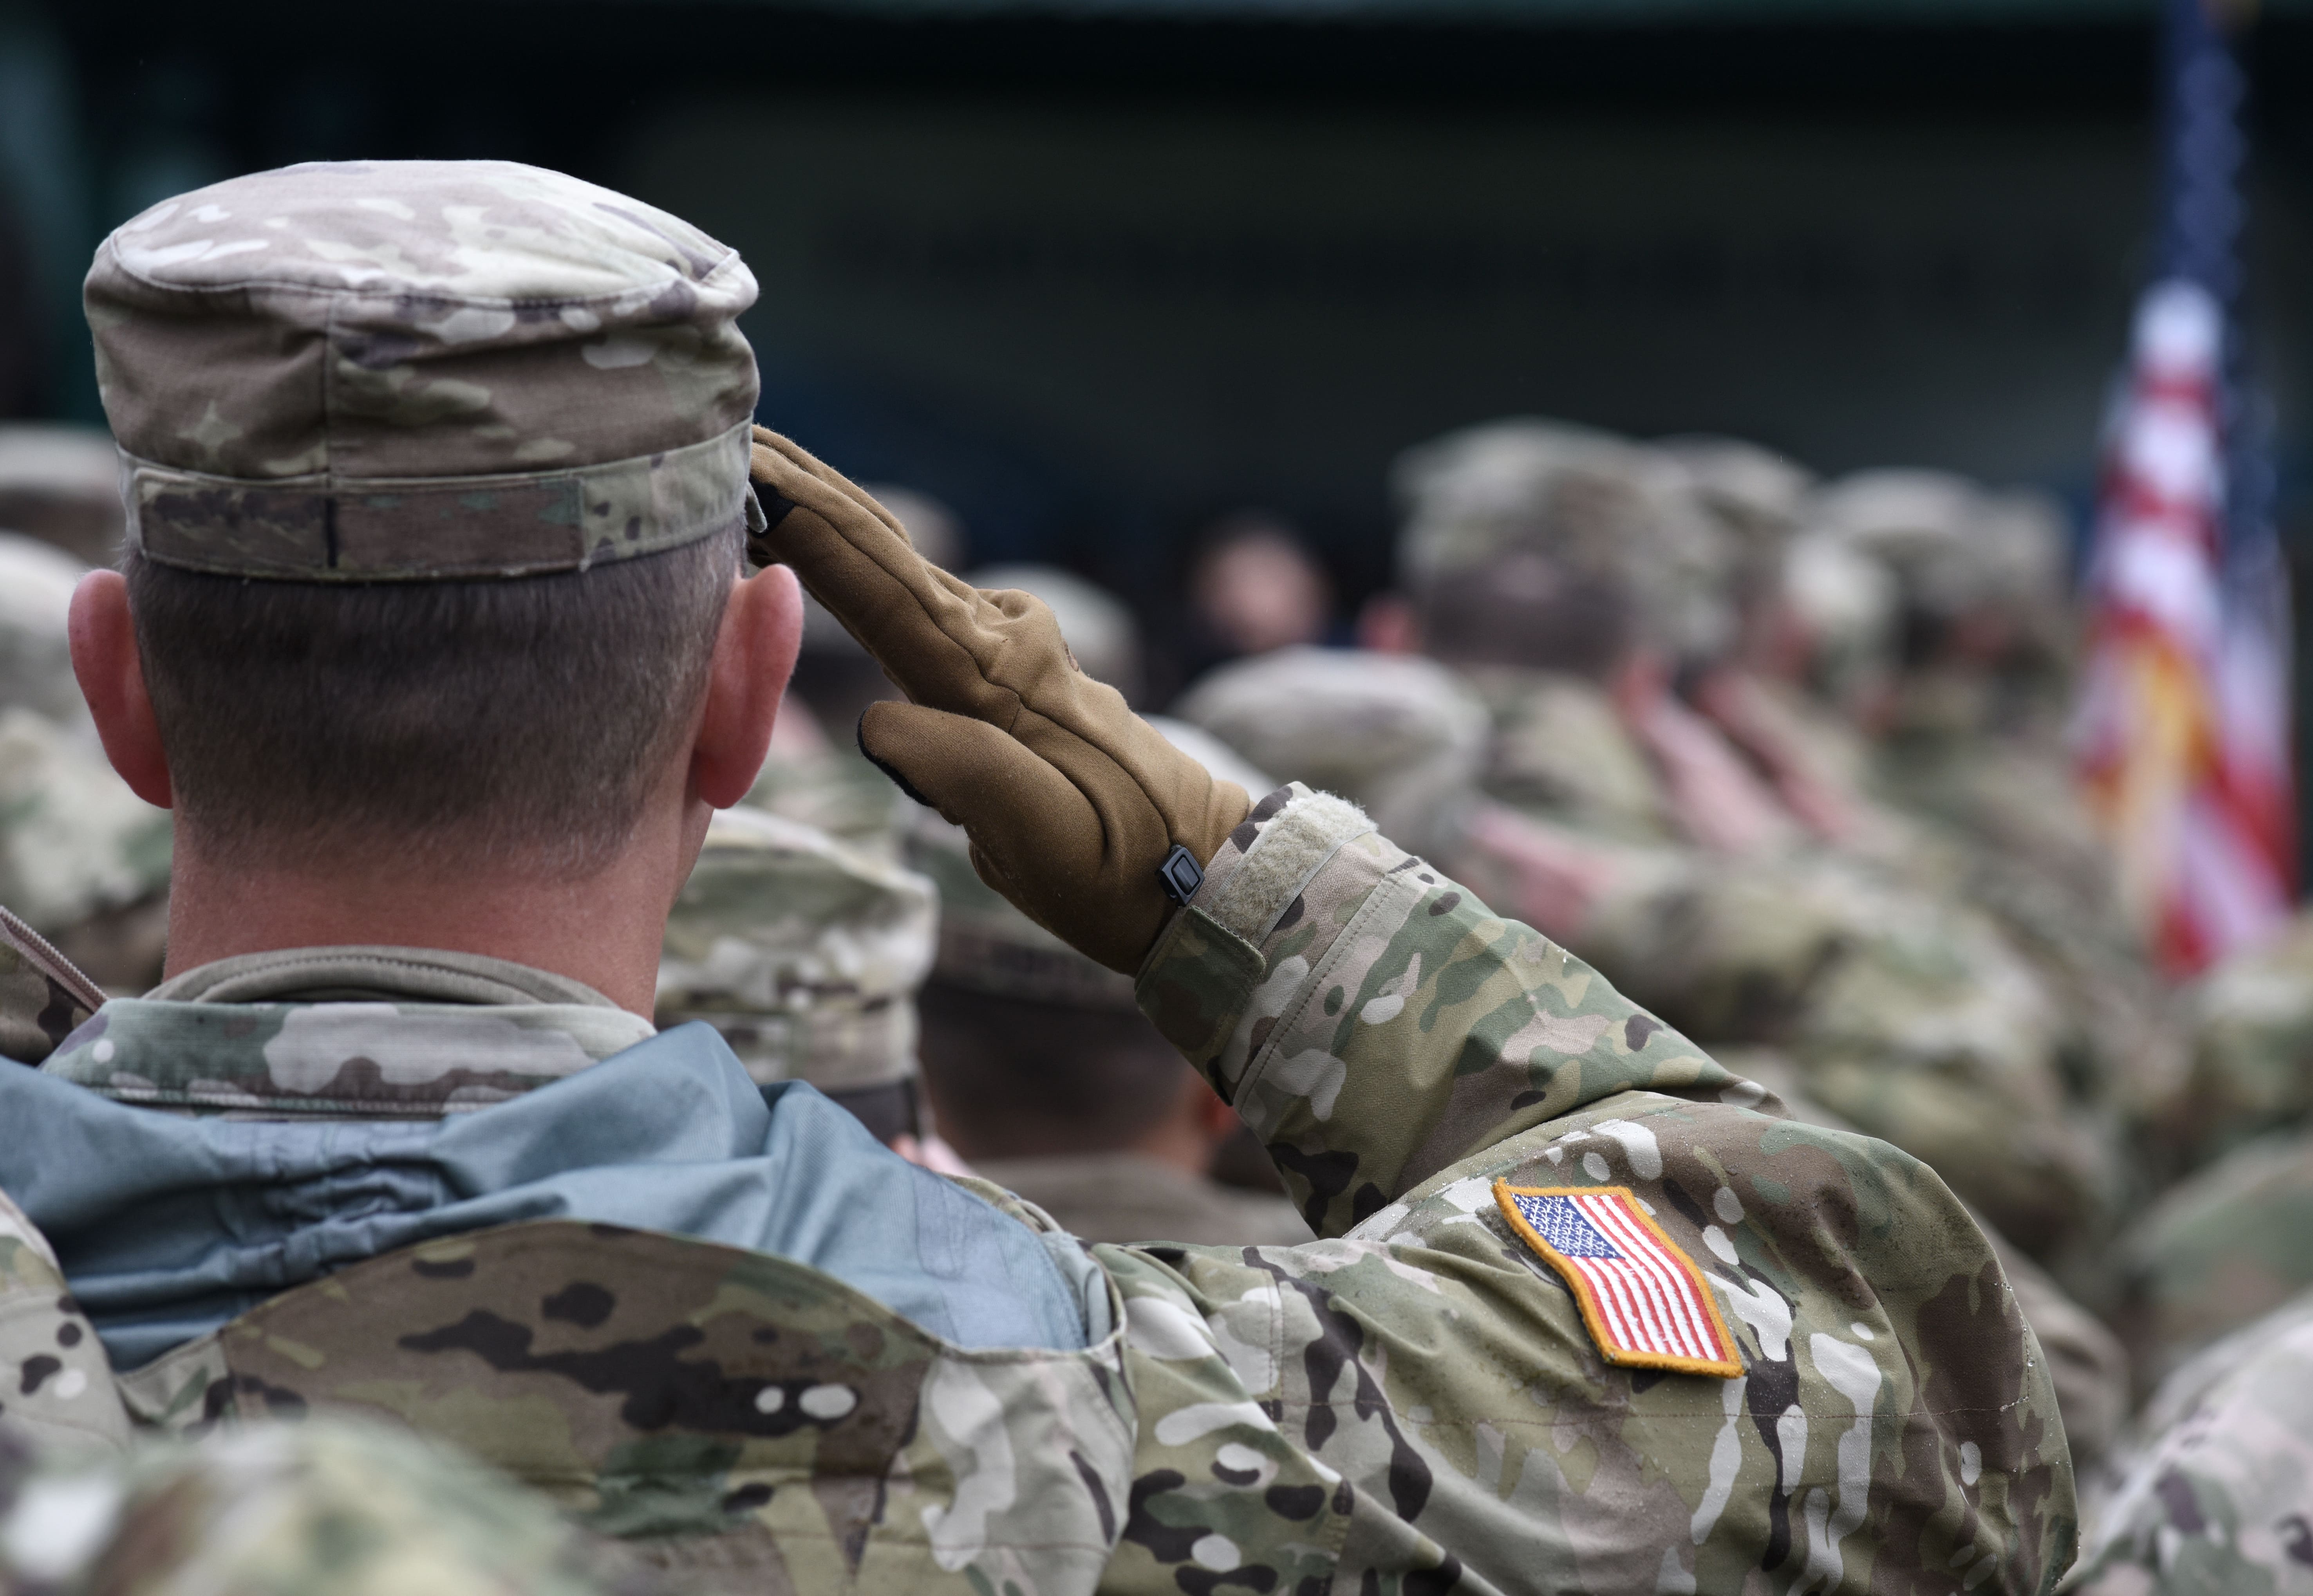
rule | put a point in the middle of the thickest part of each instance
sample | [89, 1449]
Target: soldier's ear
[754, 655]
[111, 676]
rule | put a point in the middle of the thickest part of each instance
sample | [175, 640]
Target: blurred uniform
[2214, 1497]
[320, 1507]
[2219, 1249]
[83, 859]
[1972, 751]
[1646, 841]
[2251, 1020]
[805, 955]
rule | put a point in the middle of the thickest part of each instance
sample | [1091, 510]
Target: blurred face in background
[1259, 589]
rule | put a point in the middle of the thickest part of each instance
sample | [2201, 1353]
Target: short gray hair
[519, 721]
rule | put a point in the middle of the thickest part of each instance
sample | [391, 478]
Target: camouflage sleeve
[1373, 1021]
[55, 1384]
[1419, 1406]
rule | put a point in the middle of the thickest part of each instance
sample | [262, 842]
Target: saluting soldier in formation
[432, 632]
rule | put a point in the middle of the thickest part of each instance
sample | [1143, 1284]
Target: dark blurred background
[1096, 272]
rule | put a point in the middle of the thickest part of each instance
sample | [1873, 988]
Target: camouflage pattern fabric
[1604, 505]
[1560, 748]
[739, 1420]
[2086, 1364]
[2251, 1022]
[1398, 1046]
[1911, 1015]
[2216, 1498]
[830, 785]
[1413, 1405]
[58, 1393]
[376, 371]
[287, 1509]
[803, 953]
[36, 587]
[74, 840]
[1911, 1011]
[2219, 1250]
[406, 1033]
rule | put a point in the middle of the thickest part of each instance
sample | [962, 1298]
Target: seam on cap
[247, 285]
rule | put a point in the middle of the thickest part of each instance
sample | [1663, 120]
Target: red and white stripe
[2182, 731]
[1649, 1298]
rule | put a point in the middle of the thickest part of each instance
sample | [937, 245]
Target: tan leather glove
[1074, 804]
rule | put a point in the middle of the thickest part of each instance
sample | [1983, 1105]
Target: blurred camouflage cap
[805, 953]
[1601, 505]
[1402, 737]
[378, 370]
[1952, 545]
[36, 587]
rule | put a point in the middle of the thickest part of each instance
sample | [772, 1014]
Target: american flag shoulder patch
[1644, 1301]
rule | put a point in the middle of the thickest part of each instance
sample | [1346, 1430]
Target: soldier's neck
[603, 930]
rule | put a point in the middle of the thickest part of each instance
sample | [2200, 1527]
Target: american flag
[1643, 1300]
[2183, 728]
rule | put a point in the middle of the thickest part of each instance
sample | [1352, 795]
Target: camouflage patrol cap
[380, 370]
[805, 953]
[1602, 506]
[1403, 738]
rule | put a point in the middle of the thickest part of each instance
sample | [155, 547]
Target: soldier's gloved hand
[1074, 804]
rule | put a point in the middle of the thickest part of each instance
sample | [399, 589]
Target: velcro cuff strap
[1292, 847]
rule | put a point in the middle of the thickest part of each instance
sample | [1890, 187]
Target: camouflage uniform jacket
[1414, 1404]
[2215, 1496]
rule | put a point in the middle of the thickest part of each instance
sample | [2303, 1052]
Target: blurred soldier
[2215, 1498]
[2251, 1020]
[2218, 1249]
[422, 1153]
[1626, 824]
[83, 859]
[806, 956]
[1971, 747]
